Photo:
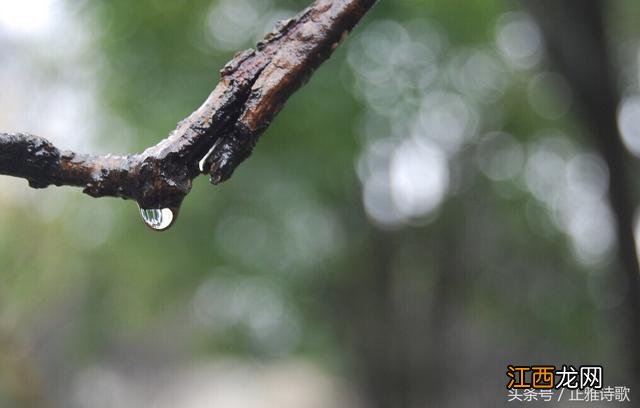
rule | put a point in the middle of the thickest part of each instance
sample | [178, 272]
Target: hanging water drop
[158, 219]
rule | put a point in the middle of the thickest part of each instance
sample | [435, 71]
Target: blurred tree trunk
[395, 313]
[576, 38]
[18, 374]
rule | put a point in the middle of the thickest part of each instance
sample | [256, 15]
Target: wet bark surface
[214, 139]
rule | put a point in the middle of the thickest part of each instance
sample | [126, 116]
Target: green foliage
[285, 248]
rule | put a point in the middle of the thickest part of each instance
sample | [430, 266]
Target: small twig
[214, 139]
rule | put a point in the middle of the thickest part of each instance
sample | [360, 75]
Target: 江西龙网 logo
[547, 383]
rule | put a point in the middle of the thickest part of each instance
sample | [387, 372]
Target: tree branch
[214, 139]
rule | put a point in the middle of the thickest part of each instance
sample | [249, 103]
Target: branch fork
[214, 139]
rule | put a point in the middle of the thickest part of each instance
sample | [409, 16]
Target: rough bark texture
[253, 88]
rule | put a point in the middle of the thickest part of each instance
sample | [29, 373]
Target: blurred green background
[426, 211]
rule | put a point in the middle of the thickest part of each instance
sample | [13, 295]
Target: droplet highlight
[203, 161]
[158, 219]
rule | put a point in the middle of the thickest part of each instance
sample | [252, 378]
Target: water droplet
[158, 219]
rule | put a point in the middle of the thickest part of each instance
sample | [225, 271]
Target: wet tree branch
[214, 139]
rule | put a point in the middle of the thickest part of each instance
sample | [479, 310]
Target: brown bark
[253, 88]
